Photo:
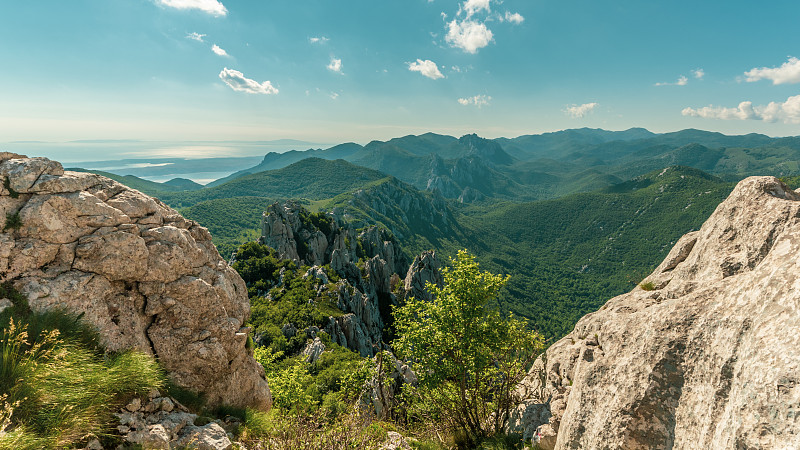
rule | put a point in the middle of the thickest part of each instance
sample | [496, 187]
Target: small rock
[94, 444]
[134, 405]
[208, 437]
[5, 304]
[155, 437]
[396, 441]
[166, 404]
[313, 350]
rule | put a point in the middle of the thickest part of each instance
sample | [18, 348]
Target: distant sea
[199, 161]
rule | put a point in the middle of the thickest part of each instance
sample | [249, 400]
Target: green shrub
[7, 185]
[468, 357]
[13, 221]
[647, 286]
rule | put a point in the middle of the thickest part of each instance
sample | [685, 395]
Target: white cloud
[478, 100]
[699, 73]
[468, 35]
[788, 73]
[334, 95]
[213, 7]
[427, 68]
[318, 40]
[238, 82]
[335, 65]
[515, 18]
[470, 7]
[579, 111]
[195, 36]
[682, 81]
[786, 112]
[219, 51]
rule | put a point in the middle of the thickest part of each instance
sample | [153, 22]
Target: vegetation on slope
[311, 178]
[57, 387]
[330, 402]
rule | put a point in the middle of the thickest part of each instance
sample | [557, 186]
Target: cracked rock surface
[706, 359]
[147, 278]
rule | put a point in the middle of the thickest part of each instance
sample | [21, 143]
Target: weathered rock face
[367, 261]
[707, 359]
[425, 269]
[362, 293]
[147, 278]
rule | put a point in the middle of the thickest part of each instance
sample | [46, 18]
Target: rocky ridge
[704, 354]
[368, 261]
[147, 278]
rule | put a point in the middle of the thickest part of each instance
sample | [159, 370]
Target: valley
[573, 229]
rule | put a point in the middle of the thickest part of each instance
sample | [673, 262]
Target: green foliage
[7, 185]
[647, 286]
[290, 386]
[13, 221]
[231, 221]
[467, 356]
[278, 430]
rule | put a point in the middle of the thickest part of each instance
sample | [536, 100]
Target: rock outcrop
[706, 357]
[425, 269]
[365, 260]
[147, 278]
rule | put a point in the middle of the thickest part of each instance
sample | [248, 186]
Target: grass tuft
[57, 386]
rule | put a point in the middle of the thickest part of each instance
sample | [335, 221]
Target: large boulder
[704, 354]
[147, 278]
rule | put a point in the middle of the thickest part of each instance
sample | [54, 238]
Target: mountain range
[574, 217]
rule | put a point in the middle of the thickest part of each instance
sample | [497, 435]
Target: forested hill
[312, 178]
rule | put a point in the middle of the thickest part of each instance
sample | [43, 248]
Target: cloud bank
[238, 82]
[219, 51]
[468, 35]
[195, 36]
[786, 112]
[335, 65]
[213, 7]
[788, 73]
[478, 100]
[427, 68]
[682, 81]
[579, 111]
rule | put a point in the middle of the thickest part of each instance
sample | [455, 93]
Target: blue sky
[334, 71]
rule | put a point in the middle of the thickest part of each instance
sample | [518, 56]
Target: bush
[13, 221]
[648, 286]
[468, 358]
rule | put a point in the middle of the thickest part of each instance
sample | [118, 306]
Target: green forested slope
[311, 178]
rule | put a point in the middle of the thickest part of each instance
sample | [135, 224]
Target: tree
[468, 357]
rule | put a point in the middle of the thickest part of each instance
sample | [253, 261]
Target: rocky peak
[488, 150]
[702, 355]
[147, 278]
[425, 269]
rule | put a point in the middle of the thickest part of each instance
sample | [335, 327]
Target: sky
[324, 71]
